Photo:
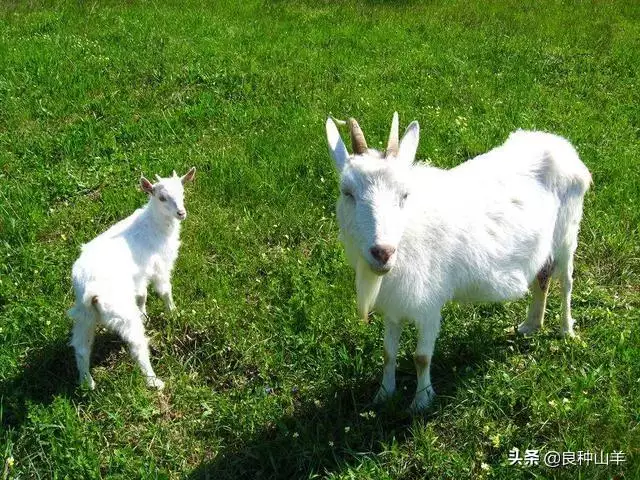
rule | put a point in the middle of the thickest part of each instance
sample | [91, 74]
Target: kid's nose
[382, 253]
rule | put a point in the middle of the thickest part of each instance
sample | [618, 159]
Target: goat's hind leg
[132, 332]
[565, 273]
[82, 336]
[539, 290]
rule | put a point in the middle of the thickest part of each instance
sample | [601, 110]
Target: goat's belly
[496, 288]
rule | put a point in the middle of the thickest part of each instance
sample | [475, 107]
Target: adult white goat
[111, 276]
[486, 230]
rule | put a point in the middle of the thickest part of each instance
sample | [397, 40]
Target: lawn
[269, 371]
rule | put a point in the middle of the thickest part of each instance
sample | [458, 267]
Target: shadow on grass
[340, 428]
[49, 371]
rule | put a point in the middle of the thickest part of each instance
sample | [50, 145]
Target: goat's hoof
[422, 401]
[526, 328]
[566, 330]
[88, 383]
[155, 382]
[382, 396]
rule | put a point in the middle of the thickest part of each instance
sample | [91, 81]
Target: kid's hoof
[155, 382]
[88, 383]
[566, 330]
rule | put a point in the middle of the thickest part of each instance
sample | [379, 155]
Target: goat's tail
[556, 163]
[563, 171]
[88, 307]
[92, 297]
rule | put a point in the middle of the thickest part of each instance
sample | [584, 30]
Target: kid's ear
[188, 177]
[337, 148]
[409, 142]
[146, 185]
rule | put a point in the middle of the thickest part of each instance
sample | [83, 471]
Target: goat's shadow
[328, 433]
[47, 372]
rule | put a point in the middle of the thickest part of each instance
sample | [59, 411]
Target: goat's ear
[409, 142]
[146, 185]
[188, 177]
[337, 148]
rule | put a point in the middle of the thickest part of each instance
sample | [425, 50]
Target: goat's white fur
[482, 231]
[111, 276]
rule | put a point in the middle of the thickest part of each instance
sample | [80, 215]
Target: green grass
[269, 372]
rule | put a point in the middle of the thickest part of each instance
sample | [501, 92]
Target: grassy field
[269, 371]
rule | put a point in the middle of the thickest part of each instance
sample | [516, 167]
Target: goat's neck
[162, 223]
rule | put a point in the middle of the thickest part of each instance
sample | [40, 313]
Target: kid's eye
[162, 198]
[347, 194]
[403, 198]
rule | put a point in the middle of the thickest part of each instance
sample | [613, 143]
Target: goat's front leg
[392, 332]
[428, 328]
[162, 285]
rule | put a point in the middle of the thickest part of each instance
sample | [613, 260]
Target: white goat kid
[419, 236]
[111, 276]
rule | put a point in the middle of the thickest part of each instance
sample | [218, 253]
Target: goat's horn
[394, 141]
[158, 177]
[340, 123]
[358, 143]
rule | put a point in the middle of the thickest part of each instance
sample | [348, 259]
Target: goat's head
[375, 191]
[167, 194]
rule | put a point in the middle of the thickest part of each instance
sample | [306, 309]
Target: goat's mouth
[381, 268]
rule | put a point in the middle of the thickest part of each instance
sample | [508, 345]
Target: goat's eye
[162, 198]
[348, 194]
[403, 198]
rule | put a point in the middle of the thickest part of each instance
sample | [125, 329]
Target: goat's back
[550, 159]
[484, 229]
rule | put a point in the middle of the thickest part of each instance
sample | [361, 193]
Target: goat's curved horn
[358, 143]
[394, 141]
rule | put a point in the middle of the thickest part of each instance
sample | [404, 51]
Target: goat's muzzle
[381, 254]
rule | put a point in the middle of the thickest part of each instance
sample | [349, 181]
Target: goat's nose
[382, 253]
